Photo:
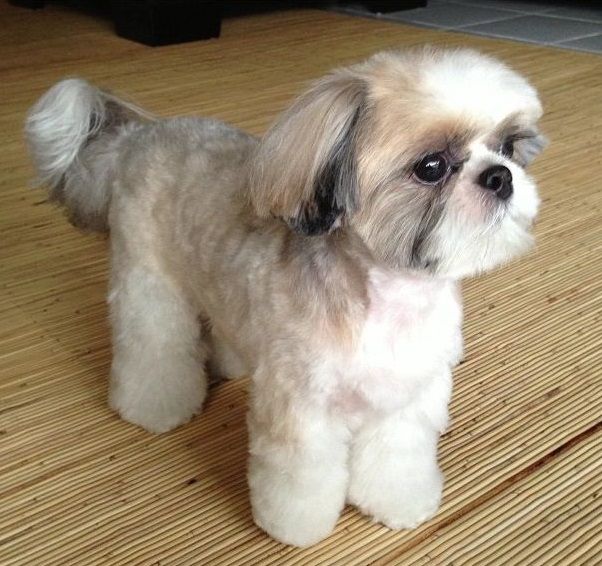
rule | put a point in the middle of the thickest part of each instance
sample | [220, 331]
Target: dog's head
[420, 153]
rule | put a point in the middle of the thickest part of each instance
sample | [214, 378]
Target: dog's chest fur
[411, 336]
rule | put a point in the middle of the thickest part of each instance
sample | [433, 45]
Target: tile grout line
[547, 13]
[469, 28]
[504, 37]
[575, 48]
[578, 37]
[569, 19]
[448, 28]
[464, 26]
[522, 11]
[469, 31]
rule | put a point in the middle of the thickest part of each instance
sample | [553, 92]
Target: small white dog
[322, 260]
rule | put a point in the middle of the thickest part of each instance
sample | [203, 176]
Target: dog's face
[421, 154]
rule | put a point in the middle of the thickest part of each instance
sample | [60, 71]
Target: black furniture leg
[384, 6]
[162, 22]
[34, 4]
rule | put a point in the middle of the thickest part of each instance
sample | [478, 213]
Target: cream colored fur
[312, 260]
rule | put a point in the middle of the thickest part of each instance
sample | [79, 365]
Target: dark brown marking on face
[399, 212]
[428, 222]
[433, 211]
[453, 146]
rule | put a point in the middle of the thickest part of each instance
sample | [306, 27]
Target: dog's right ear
[304, 170]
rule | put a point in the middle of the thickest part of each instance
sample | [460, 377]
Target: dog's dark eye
[431, 169]
[507, 148]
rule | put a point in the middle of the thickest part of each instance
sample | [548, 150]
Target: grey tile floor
[569, 24]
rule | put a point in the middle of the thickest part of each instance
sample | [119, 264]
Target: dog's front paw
[398, 502]
[292, 509]
[408, 510]
[295, 522]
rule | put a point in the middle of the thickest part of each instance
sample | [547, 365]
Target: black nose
[498, 179]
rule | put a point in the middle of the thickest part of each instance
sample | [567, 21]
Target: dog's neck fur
[353, 286]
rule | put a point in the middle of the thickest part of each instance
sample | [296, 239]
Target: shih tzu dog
[323, 260]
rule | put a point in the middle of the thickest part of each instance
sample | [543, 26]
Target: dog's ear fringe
[335, 187]
[529, 148]
[304, 169]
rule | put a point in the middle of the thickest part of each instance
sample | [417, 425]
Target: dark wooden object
[384, 6]
[163, 22]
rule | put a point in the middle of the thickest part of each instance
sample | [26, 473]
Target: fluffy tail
[74, 133]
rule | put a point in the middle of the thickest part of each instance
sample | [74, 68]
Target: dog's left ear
[526, 150]
[304, 170]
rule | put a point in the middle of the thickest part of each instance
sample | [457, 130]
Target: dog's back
[85, 142]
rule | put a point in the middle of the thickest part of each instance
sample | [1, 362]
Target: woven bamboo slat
[78, 486]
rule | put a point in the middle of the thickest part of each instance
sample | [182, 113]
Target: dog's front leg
[298, 474]
[395, 477]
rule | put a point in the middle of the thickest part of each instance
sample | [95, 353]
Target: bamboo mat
[78, 486]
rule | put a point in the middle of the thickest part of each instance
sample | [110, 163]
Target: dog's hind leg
[157, 375]
[224, 360]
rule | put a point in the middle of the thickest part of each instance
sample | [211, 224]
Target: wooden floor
[79, 486]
